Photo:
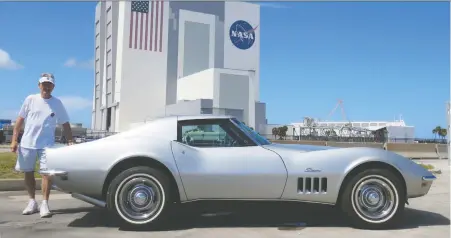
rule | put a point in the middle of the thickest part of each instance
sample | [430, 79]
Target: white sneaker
[31, 208]
[44, 210]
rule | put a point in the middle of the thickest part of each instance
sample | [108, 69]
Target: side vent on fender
[312, 185]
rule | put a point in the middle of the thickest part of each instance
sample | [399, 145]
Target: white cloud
[74, 63]
[75, 103]
[7, 63]
[272, 5]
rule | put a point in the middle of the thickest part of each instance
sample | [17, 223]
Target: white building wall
[139, 84]
[142, 73]
[235, 58]
[104, 57]
[99, 30]
[401, 134]
[229, 89]
[196, 86]
[196, 42]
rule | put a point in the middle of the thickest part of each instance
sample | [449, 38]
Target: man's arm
[17, 129]
[68, 133]
[63, 119]
[19, 123]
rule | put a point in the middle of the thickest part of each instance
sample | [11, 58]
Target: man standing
[41, 113]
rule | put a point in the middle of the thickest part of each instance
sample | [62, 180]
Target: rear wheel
[374, 199]
[140, 196]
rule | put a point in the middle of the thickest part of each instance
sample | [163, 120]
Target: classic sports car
[142, 174]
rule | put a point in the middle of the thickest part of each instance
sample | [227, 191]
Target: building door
[196, 48]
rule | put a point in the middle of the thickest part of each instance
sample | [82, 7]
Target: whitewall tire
[139, 196]
[374, 199]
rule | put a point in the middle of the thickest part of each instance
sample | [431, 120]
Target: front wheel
[139, 196]
[374, 199]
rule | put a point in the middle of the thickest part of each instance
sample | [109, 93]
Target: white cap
[47, 79]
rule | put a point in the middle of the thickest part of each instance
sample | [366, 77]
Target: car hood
[298, 147]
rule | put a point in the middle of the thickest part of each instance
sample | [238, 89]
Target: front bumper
[422, 188]
[429, 178]
[55, 173]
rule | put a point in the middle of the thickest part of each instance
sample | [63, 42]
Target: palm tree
[275, 132]
[436, 131]
[443, 133]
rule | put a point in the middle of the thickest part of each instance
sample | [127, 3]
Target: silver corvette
[142, 175]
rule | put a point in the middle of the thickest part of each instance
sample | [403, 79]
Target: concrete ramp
[351, 144]
[414, 151]
[442, 151]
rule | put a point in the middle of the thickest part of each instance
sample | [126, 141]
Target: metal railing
[357, 139]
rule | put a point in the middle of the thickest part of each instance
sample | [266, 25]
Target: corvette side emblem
[310, 170]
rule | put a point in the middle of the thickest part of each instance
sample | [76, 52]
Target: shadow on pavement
[249, 215]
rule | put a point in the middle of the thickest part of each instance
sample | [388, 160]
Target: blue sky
[381, 58]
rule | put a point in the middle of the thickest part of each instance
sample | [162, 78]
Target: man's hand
[14, 146]
[16, 131]
[68, 132]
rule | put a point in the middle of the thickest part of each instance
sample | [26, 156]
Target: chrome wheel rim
[139, 198]
[375, 199]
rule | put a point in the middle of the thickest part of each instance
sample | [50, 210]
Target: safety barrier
[347, 144]
[442, 151]
[414, 151]
[409, 150]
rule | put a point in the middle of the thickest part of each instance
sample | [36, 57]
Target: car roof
[197, 117]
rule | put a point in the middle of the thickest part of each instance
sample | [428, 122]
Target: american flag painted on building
[146, 25]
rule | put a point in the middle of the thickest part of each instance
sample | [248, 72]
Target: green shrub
[7, 164]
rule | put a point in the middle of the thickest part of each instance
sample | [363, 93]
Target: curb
[16, 184]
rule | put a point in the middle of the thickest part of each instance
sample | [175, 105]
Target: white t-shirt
[41, 117]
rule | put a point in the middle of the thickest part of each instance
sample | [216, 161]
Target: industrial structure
[159, 58]
[347, 130]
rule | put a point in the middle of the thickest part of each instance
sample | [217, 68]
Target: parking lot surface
[424, 217]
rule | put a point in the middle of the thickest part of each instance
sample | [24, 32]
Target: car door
[216, 161]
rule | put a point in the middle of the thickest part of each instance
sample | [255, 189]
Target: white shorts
[26, 159]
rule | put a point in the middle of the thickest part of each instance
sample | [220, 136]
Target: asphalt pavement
[425, 217]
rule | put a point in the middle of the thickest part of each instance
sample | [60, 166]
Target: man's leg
[30, 183]
[45, 187]
[26, 160]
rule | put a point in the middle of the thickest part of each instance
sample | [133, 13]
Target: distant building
[395, 131]
[4, 122]
[175, 58]
[77, 131]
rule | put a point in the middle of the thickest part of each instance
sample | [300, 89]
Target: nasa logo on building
[242, 34]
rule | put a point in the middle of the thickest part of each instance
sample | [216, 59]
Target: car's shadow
[250, 215]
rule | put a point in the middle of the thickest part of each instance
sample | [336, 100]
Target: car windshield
[251, 133]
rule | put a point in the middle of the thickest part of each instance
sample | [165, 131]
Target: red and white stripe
[146, 29]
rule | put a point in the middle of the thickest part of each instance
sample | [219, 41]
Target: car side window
[207, 135]
[212, 133]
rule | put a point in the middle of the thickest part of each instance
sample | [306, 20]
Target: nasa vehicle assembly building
[157, 58]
